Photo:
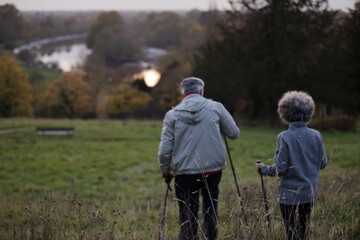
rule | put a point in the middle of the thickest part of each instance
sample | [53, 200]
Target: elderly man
[192, 149]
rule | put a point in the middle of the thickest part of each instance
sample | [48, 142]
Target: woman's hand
[258, 166]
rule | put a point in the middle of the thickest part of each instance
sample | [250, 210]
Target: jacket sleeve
[324, 160]
[281, 158]
[166, 144]
[227, 124]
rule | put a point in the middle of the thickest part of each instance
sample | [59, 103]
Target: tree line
[105, 86]
[20, 27]
[269, 47]
[248, 56]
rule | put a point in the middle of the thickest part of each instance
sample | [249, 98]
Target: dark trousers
[295, 219]
[188, 188]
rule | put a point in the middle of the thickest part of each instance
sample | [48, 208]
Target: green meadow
[42, 76]
[104, 183]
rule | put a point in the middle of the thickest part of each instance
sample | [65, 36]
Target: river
[66, 54]
[71, 55]
[66, 57]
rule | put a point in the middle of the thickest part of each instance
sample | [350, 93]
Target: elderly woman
[300, 155]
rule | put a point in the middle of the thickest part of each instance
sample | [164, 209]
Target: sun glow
[151, 77]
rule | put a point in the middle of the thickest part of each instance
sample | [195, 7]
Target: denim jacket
[299, 156]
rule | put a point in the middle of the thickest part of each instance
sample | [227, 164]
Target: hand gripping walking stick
[237, 186]
[264, 195]
[162, 221]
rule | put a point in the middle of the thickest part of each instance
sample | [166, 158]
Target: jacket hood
[192, 109]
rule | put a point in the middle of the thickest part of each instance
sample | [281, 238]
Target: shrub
[341, 123]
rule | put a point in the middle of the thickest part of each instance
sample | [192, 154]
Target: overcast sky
[26, 5]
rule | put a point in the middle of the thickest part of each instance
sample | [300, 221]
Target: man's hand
[258, 166]
[168, 177]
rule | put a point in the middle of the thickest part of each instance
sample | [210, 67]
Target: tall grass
[56, 216]
[104, 183]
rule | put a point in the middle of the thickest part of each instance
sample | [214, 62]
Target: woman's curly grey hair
[296, 106]
[191, 85]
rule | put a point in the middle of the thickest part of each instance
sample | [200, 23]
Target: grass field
[40, 77]
[104, 183]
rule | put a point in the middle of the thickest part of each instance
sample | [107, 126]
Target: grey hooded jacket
[300, 155]
[191, 138]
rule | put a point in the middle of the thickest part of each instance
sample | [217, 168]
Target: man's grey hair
[296, 106]
[191, 85]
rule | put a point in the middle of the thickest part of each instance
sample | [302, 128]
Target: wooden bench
[48, 131]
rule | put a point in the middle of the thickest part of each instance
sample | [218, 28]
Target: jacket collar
[296, 125]
[190, 94]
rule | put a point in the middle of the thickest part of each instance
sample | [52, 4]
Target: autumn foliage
[126, 99]
[15, 90]
[70, 95]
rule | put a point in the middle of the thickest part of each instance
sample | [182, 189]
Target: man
[192, 149]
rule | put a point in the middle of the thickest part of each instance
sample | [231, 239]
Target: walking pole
[264, 195]
[237, 186]
[161, 234]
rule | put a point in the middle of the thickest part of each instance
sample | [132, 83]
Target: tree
[266, 48]
[174, 67]
[12, 26]
[170, 31]
[26, 56]
[108, 38]
[126, 99]
[105, 21]
[70, 96]
[15, 91]
[352, 28]
[333, 74]
[49, 24]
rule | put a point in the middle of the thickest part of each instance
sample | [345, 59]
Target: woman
[300, 155]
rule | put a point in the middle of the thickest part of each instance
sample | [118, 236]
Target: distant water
[69, 56]
[151, 53]
[41, 42]
[66, 57]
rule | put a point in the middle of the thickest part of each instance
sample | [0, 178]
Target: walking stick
[161, 234]
[237, 186]
[264, 195]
